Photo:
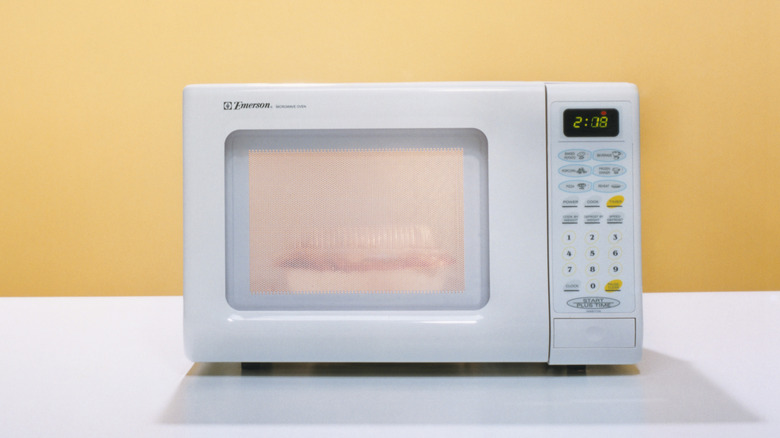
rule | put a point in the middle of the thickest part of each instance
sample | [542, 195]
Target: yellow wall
[90, 116]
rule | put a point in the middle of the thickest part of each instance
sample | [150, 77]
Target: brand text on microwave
[238, 105]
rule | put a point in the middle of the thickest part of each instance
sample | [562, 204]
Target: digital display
[591, 122]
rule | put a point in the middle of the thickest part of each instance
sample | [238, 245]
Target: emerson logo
[593, 303]
[238, 105]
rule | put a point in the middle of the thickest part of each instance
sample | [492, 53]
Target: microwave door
[394, 239]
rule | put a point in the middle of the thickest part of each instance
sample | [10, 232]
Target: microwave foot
[256, 366]
[576, 370]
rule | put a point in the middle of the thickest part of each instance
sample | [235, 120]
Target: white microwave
[419, 222]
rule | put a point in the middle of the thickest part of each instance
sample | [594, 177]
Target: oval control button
[574, 170]
[575, 155]
[609, 186]
[593, 303]
[575, 186]
[608, 170]
[613, 286]
[608, 155]
[615, 201]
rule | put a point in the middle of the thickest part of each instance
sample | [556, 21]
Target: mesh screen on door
[356, 221]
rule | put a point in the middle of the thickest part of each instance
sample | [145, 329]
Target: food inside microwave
[365, 220]
[366, 259]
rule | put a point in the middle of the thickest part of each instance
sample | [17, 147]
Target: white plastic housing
[494, 306]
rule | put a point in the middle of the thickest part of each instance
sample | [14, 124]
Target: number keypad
[591, 223]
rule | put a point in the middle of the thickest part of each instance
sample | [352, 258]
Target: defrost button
[615, 219]
[593, 218]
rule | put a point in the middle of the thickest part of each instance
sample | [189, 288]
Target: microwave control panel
[592, 197]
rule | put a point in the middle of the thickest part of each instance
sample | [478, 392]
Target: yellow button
[615, 201]
[613, 286]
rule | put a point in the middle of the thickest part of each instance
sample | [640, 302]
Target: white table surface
[115, 367]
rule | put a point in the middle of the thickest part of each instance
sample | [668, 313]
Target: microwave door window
[356, 220]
